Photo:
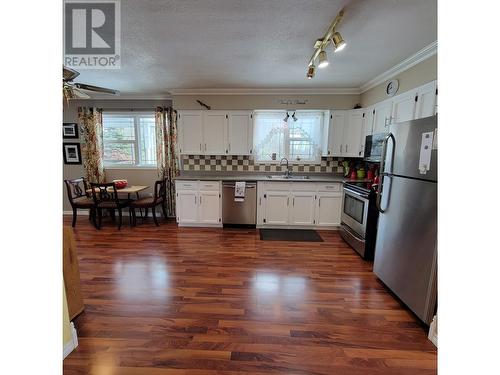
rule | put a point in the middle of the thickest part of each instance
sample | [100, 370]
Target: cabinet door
[368, 121]
[191, 132]
[214, 132]
[337, 133]
[353, 133]
[403, 107]
[239, 140]
[277, 204]
[187, 206]
[382, 117]
[329, 209]
[426, 100]
[209, 207]
[302, 208]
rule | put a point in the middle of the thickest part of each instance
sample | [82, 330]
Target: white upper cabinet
[426, 100]
[368, 121]
[336, 133]
[214, 132]
[240, 133]
[353, 133]
[403, 107]
[191, 132]
[382, 116]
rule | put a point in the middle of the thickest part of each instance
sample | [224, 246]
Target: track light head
[323, 60]
[286, 117]
[310, 71]
[293, 116]
[338, 42]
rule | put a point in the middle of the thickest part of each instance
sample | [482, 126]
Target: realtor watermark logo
[92, 34]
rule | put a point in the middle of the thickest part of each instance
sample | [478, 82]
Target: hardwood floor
[169, 300]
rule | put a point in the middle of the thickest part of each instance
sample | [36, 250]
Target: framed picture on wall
[72, 153]
[70, 130]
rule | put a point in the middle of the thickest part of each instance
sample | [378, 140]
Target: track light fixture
[331, 36]
[323, 60]
[286, 117]
[293, 116]
[310, 71]
[338, 42]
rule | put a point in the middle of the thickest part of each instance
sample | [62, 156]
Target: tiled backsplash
[245, 163]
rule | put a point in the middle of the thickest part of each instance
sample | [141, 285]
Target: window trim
[287, 137]
[136, 115]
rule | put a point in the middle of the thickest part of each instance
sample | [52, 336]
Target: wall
[134, 176]
[417, 75]
[266, 101]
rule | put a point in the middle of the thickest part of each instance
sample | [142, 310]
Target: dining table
[129, 190]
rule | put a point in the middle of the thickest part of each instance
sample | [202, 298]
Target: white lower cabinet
[198, 203]
[328, 209]
[298, 204]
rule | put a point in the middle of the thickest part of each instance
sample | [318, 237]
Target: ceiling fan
[75, 90]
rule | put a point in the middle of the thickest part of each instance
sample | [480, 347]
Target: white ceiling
[185, 44]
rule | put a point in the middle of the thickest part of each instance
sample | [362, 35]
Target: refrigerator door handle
[382, 167]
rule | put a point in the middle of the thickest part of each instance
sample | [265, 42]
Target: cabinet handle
[293, 201]
[288, 201]
[340, 148]
[205, 147]
[328, 152]
[346, 149]
[200, 199]
[195, 199]
[200, 146]
[230, 147]
[319, 202]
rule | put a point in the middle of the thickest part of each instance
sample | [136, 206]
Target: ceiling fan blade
[83, 86]
[77, 94]
[69, 74]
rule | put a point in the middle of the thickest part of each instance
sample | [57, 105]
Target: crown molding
[406, 64]
[265, 91]
[125, 96]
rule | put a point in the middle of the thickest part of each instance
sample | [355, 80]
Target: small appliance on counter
[359, 217]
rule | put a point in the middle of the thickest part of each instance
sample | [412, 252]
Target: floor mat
[305, 235]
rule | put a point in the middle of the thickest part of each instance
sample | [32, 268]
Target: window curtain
[91, 128]
[166, 154]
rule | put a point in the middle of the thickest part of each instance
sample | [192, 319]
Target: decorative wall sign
[392, 87]
[72, 153]
[70, 130]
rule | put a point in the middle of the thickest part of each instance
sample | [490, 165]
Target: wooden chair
[78, 198]
[159, 197]
[108, 200]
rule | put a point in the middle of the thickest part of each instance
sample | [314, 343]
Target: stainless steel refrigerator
[406, 246]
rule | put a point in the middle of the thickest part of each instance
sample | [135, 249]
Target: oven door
[355, 211]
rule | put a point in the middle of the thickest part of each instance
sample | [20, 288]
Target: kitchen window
[129, 139]
[297, 140]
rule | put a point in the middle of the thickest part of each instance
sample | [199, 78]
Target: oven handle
[351, 232]
[356, 193]
[382, 166]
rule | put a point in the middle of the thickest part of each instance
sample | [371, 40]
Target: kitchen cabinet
[382, 116]
[296, 204]
[337, 125]
[302, 207]
[353, 133]
[214, 132]
[426, 100]
[239, 133]
[198, 203]
[190, 132]
[328, 208]
[403, 107]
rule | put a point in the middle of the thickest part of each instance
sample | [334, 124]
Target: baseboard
[433, 333]
[71, 344]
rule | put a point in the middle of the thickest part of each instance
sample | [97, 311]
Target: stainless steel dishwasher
[239, 212]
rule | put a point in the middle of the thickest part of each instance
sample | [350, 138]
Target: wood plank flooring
[168, 300]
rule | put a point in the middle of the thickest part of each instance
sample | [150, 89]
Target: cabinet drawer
[333, 186]
[209, 185]
[186, 185]
[302, 186]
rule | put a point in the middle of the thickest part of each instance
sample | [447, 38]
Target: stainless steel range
[359, 217]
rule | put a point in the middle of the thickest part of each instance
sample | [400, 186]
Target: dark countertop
[204, 176]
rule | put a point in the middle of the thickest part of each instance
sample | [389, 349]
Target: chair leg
[74, 218]
[119, 218]
[134, 218]
[112, 214]
[164, 209]
[93, 216]
[154, 215]
[99, 212]
[145, 212]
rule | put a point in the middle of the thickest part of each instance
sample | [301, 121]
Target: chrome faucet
[287, 172]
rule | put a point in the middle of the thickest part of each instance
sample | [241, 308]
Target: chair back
[104, 192]
[160, 190]
[76, 188]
